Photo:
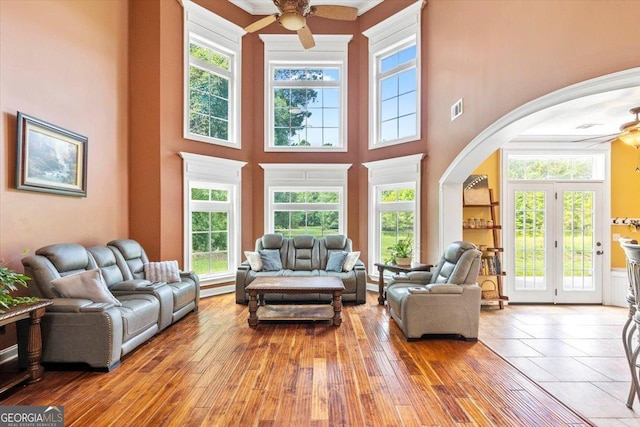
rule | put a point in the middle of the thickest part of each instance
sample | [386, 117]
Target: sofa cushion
[336, 260]
[139, 313]
[86, 285]
[254, 260]
[183, 294]
[270, 260]
[163, 271]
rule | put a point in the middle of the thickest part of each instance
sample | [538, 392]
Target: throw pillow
[270, 260]
[85, 285]
[336, 260]
[163, 271]
[254, 260]
[350, 261]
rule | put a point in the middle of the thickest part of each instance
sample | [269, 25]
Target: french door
[554, 242]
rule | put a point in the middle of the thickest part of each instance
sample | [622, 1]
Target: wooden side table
[382, 292]
[27, 319]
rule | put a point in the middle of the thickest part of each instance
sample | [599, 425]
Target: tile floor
[575, 352]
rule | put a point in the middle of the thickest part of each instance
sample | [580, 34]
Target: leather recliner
[131, 257]
[445, 300]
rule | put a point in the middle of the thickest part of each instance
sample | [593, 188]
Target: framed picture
[50, 159]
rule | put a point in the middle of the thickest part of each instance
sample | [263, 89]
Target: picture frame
[50, 159]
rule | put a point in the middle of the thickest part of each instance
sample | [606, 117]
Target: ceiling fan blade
[345, 13]
[606, 137]
[306, 38]
[261, 23]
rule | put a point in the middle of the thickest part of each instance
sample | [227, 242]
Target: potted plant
[9, 280]
[402, 251]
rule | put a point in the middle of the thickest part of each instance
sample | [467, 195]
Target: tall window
[398, 100]
[305, 199]
[306, 94]
[212, 77]
[394, 205]
[212, 209]
[394, 80]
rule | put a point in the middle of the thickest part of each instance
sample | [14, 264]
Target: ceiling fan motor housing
[295, 6]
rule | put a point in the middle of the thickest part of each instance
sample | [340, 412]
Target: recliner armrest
[136, 285]
[77, 305]
[444, 288]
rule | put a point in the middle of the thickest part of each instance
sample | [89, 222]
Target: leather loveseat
[305, 256]
[127, 311]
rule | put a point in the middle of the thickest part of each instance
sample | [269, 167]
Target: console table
[27, 319]
[382, 292]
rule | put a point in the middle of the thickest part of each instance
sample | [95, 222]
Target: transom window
[305, 93]
[529, 167]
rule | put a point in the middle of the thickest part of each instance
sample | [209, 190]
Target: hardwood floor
[211, 369]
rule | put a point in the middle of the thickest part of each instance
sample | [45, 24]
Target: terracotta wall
[499, 55]
[65, 62]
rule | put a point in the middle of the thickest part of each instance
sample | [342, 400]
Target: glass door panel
[530, 244]
[580, 240]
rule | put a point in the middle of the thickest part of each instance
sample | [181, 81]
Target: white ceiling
[589, 117]
[266, 7]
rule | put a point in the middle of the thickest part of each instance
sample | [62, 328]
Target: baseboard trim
[218, 290]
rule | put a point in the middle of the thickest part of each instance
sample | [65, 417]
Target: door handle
[599, 252]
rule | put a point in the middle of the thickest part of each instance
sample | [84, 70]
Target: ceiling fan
[629, 132]
[293, 16]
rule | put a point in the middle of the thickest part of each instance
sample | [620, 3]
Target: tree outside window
[210, 232]
[306, 110]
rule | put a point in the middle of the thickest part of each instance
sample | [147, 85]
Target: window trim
[307, 177]
[224, 37]
[217, 171]
[392, 173]
[385, 39]
[284, 50]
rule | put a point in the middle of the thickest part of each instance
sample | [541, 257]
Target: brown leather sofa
[305, 256]
[82, 331]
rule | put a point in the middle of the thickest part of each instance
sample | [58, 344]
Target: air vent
[456, 109]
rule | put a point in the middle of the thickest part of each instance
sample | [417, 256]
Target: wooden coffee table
[295, 285]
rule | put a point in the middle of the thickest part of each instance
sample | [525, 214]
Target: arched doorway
[510, 126]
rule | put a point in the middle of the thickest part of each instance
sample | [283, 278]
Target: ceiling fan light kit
[292, 21]
[631, 131]
[293, 16]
